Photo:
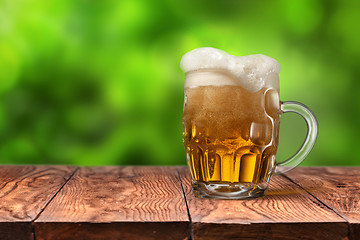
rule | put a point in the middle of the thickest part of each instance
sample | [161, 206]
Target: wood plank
[24, 192]
[337, 187]
[286, 212]
[117, 203]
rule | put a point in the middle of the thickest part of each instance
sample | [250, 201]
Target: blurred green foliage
[98, 82]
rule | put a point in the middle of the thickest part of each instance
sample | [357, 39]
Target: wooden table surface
[68, 202]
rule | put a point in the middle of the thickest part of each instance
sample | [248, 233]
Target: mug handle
[312, 132]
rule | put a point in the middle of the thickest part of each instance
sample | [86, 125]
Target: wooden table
[68, 202]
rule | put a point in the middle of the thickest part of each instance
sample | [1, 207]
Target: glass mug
[231, 137]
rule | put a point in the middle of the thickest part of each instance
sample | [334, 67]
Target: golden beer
[231, 123]
[230, 134]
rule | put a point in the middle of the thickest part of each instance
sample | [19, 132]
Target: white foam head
[252, 72]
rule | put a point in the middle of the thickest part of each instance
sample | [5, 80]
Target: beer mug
[231, 123]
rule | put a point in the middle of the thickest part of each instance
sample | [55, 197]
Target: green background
[98, 82]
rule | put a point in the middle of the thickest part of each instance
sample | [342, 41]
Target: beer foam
[252, 72]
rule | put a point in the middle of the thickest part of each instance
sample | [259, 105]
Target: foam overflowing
[252, 72]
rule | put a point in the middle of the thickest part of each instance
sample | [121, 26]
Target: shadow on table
[291, 191]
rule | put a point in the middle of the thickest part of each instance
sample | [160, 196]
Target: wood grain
[286, 212]
[24, 192]
[40, 202]
[337, 187]
[117, 203]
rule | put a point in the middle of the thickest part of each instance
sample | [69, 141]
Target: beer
[230, 134]
[231, 123]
